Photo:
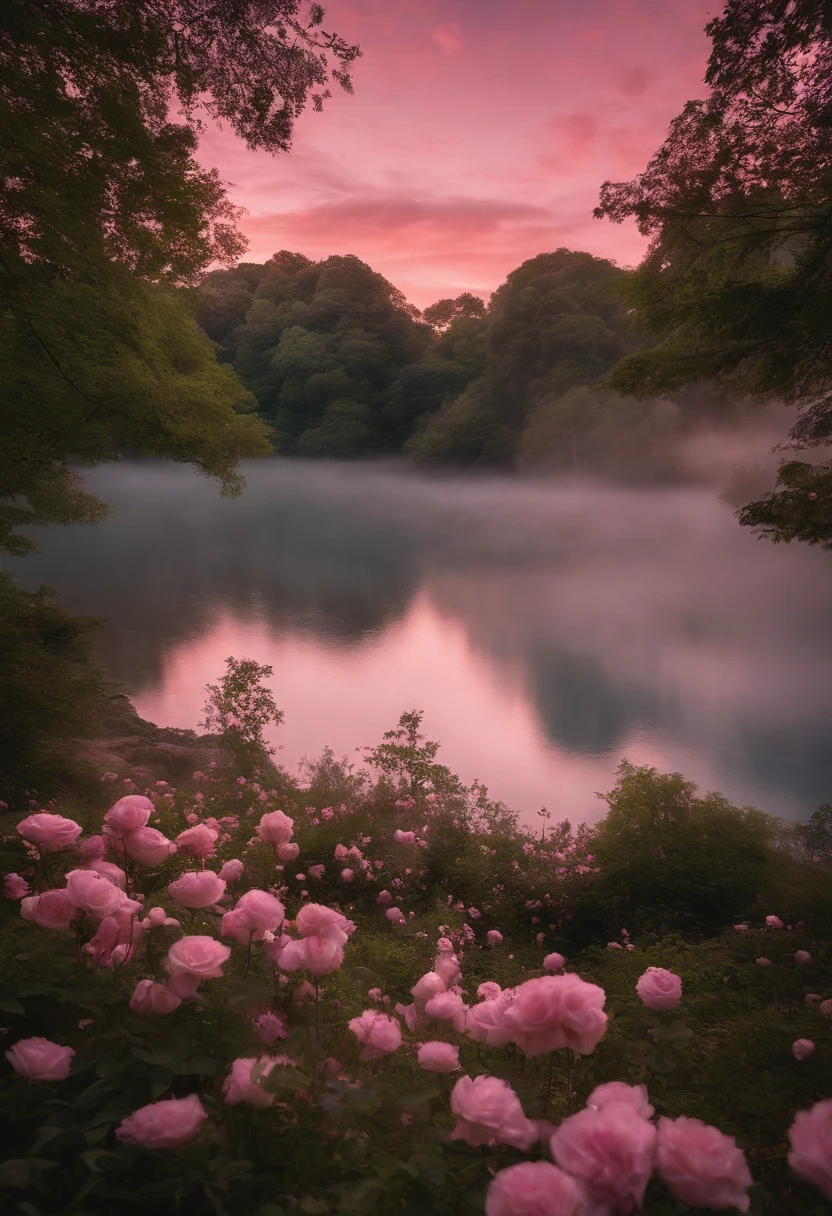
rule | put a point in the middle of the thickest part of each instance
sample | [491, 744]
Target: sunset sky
[478, 136]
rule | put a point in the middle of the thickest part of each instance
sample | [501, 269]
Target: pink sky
[478, 136]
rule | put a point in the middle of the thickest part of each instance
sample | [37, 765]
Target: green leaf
[9, 1005]
[92, 1156]
[415, 1097]
[282, 1077]
[205, 1066]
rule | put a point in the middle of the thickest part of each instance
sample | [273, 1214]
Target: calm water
[546, 631]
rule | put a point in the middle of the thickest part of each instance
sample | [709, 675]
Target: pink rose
[774, 922]
[554, 962]
[395, 915]
[316, 872]
[117, 936]
[447, 1007]
[322, 955]
[802, 957]
[271, 1027]
[485, 1023]
[198, 956]
[426, 986]
[619, 1091]
[438, 1057]
[811, 998]
[288, 852]
[92, 849]
[110, 871]
[825, 1007]
[150, 999]
[197, 889]
[93, 892]
[811, 1139]
[380, 1034]
[401, 837]
[534, 1188]
[348, 875]
[557, 1011]
[489, 1112]
[802, 1049]
[341, 853]
[14, 887]
[39, 1059]
[316, 920]
[275, 828]
[232, 871]
[197, 842]
[256, 914]
[384, 897]
[611, 1150]
[239, 1086]
[493, 937]
[49, 832]
[489, 991]
[51, 910]
[659, 989]
[129, 813]
[166, 1124]
[446, 966]
[147, 846]
[763, 962]
[701, 1166]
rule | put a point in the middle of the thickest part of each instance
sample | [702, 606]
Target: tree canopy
[737, 281]
[104, 209]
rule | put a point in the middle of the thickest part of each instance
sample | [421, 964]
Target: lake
[547, 630]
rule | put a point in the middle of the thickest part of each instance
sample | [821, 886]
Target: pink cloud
[447, 37]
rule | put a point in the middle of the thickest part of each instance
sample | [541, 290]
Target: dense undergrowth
[424, 877]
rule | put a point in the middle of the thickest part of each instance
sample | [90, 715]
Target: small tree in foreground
[240, 707]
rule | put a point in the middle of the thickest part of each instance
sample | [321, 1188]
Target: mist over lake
[547, 629]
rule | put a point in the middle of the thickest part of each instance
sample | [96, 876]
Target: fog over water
[546, 629]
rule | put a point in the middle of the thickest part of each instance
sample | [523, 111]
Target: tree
[240, 708]
[737, 281]
[104, 209]
[443, 313]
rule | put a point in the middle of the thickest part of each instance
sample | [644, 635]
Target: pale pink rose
[489, 1112]
[427, 986]
[288, 952]
[811, 1139]
[117, 936]
[239, 1086]
[825, 1007]
[147, 846]
[129, 813]
[410, 1015]
[384, 897]
[485, 1023]
[489, 991]
[493, 937]
[802, 1049]
[611, 1150]
[701, 1166]
[288, 852]
[380, 1034]
[110, 871]
[812, 998]
[445, 946]
[741, 928]
[150, 999]
[14, 887]
[802, 957]
[401, 837]
[763, 962]
[534, 1188]
[271, 1027]
[395, 915]
[197, 889]
[316, 872]
[438, 1057]
[323, 955]
[620, 1091]
[51, 910]
[316, 920]
[256, 914]
[39, 1059]
[232, 871]
[185, 986]
[446, 966]
[341, 853]
[774, 922]
[199, 956]
[197, 842]
[659, 989]
[92, 849]
[348, 875]
[166, 1124]
[275, 828]
[156, 917]
[554, 962]
[93, 892]
[447, 1007]
[49, 832]
[556, 1011]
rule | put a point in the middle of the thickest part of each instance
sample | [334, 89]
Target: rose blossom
[348, 875]
[401, 837]
[129, 813]
[271, 1027]
[611, 1149]
[92, 849]
[322, 955]
[384, 897]
[147, 846]
[620, 1091]
[39, 1059]
[14, 887]
[239, 1087]
[275, 828]
[447, 1007]
[763, 962]
[774, 922]
[256, 914]
[534, 1188]
[438, 1057]
[51, 910]
[811, 1139]
[288, 852]
[427, 986]
[199, 956]
[825, 1007]
[485, 1023]
[49, 832]
[150, 999]
[554, 962]
[380, 1034]
[493, 937]
[395, 915]
[802, 956]
[166, 1124]
[489, 1112]
[197, 889]
[316, 872]
[446, 966]
[659, 989]
[556, 1011]
[802, 1049]
[316, 920]
[489, 991]
[197, 842]
[701, 1166]
[93, 892]
[232, 871]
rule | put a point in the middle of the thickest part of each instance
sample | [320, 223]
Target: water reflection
[546, 630]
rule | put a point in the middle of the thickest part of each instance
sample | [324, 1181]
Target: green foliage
[48, 687]
[239, 707]
[408, 762]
